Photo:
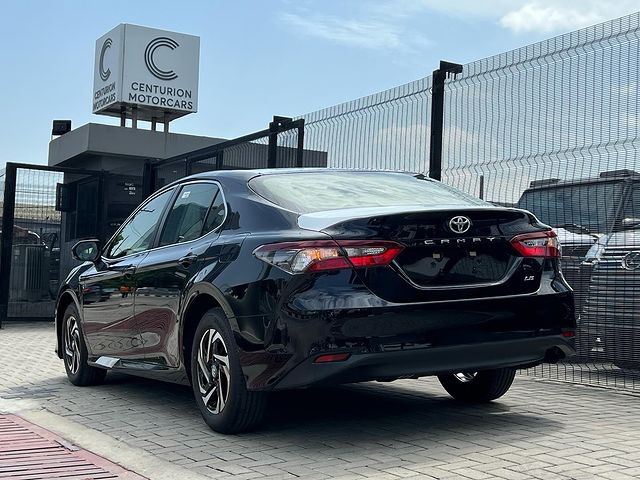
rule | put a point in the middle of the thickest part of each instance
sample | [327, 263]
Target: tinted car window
[216, 214]
[186, 220]
[320, 191]
[575, 204]
[138, 233]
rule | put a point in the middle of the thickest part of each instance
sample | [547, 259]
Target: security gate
[47, 209]
[33, 234]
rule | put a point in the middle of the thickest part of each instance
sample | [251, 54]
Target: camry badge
[460, 224]
[631, 261]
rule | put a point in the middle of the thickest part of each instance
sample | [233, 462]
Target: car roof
[613, 177]
[251, 173]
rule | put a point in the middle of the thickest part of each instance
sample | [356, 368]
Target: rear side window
[188, 218]
[216, 214]
[335, 190]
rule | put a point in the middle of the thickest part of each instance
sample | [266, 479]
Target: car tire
[218, 382]
[74, 352]
[478, 387]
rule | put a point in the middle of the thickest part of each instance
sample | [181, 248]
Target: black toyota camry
[244, 282]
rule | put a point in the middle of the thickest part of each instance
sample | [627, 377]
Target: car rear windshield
[335, 190]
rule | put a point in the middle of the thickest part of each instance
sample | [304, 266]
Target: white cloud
[461, 8]
[384, 25]
[372, 33]
[554, 16]
[521, 16]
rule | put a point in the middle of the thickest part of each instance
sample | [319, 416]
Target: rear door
[163, 276]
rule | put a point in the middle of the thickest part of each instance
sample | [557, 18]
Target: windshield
[335, 190]
[590, 205]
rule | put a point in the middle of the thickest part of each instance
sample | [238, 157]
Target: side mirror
[630, 223]
[86, 250]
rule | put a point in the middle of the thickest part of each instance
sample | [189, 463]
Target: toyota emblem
[631, 261]
[460, 224]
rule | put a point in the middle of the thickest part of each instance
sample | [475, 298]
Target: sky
[259, 58]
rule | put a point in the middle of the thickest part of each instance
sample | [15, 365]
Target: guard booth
[97, 175]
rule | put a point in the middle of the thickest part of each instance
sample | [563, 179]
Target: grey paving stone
[405, 429]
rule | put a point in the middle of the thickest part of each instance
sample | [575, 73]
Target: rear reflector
[332, 357]
[568, 333]
[313, 256]
[537, 244]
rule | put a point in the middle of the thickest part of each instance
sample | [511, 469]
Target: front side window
[192, 213]
[139, 232]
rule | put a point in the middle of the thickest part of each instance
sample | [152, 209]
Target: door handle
[128, 272]
[187, 260]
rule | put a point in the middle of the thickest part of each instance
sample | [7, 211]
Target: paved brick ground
[406, 429]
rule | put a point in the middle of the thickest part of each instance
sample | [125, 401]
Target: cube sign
[153, 70]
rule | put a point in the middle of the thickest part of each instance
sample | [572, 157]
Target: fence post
[275, 127]
[148, 180]
[8, 214]
[300, 150]
[272, 152]
[437, 115]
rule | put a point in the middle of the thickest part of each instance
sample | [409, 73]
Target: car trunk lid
[449, 253]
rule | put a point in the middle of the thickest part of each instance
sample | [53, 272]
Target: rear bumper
[429, 361]
[332, 313]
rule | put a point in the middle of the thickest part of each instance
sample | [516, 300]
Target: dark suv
[243, 282]
[582, 212]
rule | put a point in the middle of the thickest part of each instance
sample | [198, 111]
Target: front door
[107, 301]
[107, 289]
[163, 276]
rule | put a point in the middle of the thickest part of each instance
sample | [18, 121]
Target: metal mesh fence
[551, 127]
[388, 130]
[249, 154]
[245, 155]
[165, 174]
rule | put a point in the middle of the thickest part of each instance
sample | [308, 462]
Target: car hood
[625, 238]
[571, 238]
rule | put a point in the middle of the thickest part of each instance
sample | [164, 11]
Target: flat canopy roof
[94, 139]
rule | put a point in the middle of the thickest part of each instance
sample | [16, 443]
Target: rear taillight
[313, 256]
[538, 244]
[332, 357]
